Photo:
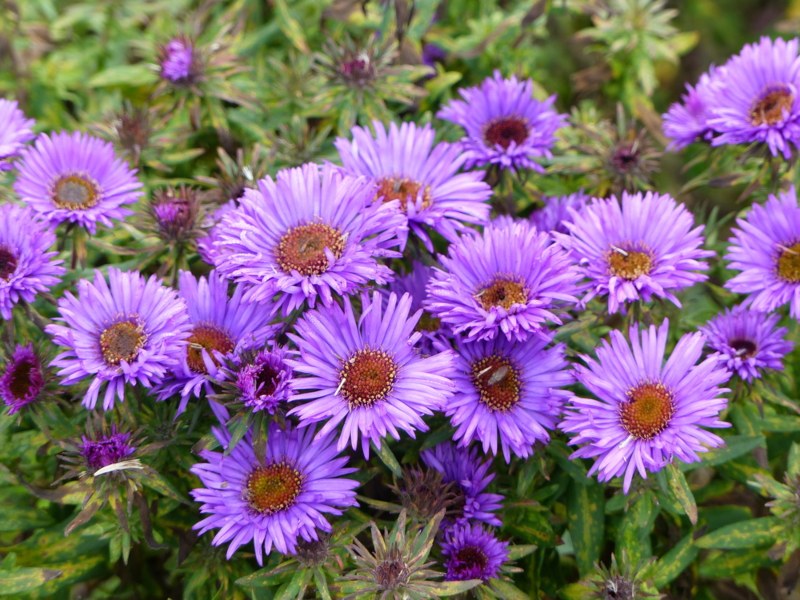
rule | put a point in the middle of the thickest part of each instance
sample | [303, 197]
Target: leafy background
[272, 99]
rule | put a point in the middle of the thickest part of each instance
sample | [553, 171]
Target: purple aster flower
[505, 125]
[311, 232]
[766, 249]
[687, 121]
[414, 283]
[265, 382]
[107, 449]
[422, 176]
[510, 280]
[15, 132]
[206, 244]
[222, 327]
[758, 97]
[555, 215]
[174, 214]
[463, 467]
[23, 379]
[76, 178]
[509, 391]
[179, 61]
[637, 248]
[747, 341]
[365, 372]
[275, 501]
[26, 266]
[127, 331]
[472, 552]
[646, 412]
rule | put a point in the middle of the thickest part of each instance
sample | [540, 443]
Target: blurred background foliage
[281, 80]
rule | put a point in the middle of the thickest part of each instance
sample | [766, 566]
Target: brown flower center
[472, 558]
[648, 410]
[367, 377]
[404, 190]
[789, 264]
[272, 488]
[122, 342]
[771, 107]
[8, 262]
[501, 132]
[210, 339]
[502, 291]
[75, 192]
[392, 571]
[302, 248]
[497, 381]
[629, 264]
[744, 348]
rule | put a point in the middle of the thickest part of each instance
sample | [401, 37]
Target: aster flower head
[265, 382]
[511, 280]
[179, 61]
[421, 176]
[127, 331]
[15, 132]
[639, 247]
[505, 125]
[23, 379]
[765, 248]
[414, 283]
[507, 393]
[646, 412]
[106, 449]
[472, 552]
[758, 97]
[687, 121]
[365, 373]
[555, 214]
[27, 268]
[76, 178]
[221, 328]
[463, 467]
[306, 235]
[747, 341]
[175, 214]
[277, 501]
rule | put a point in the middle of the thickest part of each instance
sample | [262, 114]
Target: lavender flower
[307, 234]
[646, 412]
[365, 373]
[106, 449]
[472, 552]
[15, 132]
[206, 244]
[276, 501]
[757, 97]
[637, 248]
[747, 342]
[179, 61]
[510, 280]
[26, 266]
[222, 328]
[462, 467]
[76, 178]
[265, 382]
[422, 176]
[508, 392]
[555, 213]
[414, 283]
[505, 125]
[127, 331]
[687, 121]
[766, 249]
[23, 380]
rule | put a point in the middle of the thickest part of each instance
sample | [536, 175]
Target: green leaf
[519, 551]
[575, 591]
[723, 565]
[124, 76]
[388, 458]
[575, 469]
[793, 461]
[633, 536]
[735, 446]
[672, 564]
[453, 588]
[291, 589]
[586, 523]
[290, 26]
[24, 579]
[507, 590]
[744, 534]
[680, 489]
